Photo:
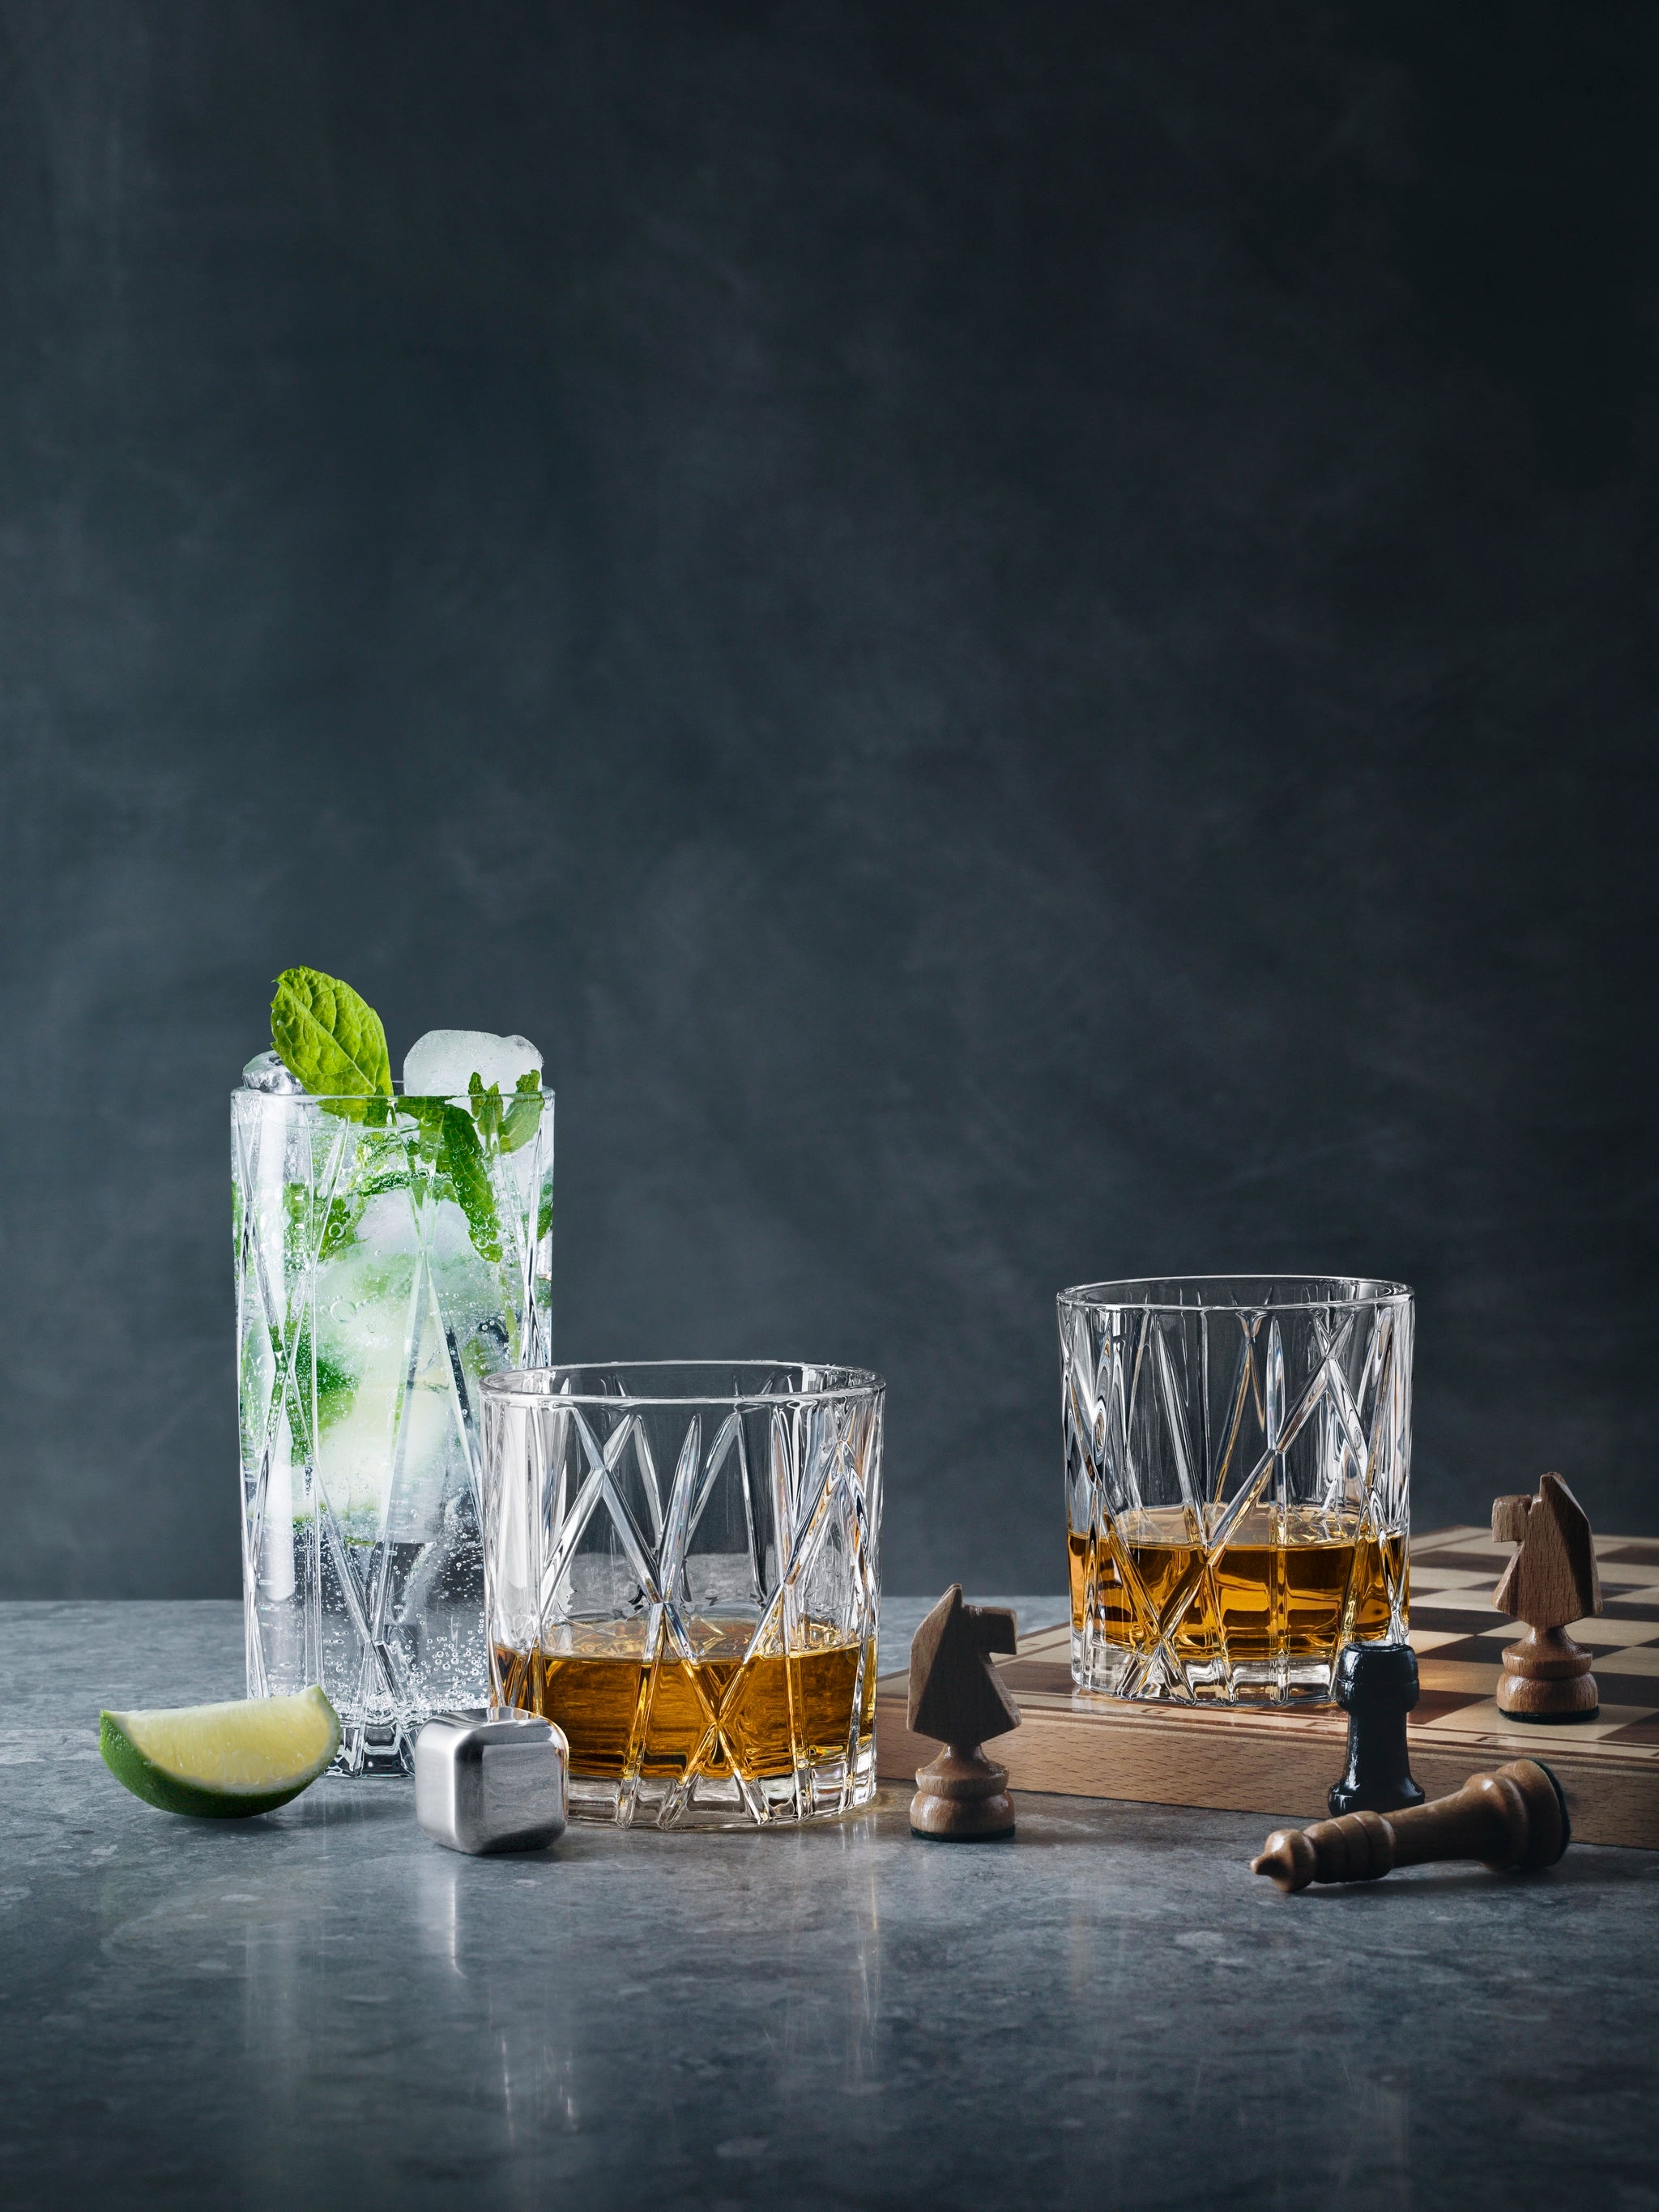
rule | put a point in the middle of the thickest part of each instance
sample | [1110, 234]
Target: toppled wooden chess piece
[957, 1697]
[1376, 1687]
[1551, 1580]
[1516, 1817]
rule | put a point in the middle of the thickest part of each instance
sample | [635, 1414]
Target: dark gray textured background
[1023, 637]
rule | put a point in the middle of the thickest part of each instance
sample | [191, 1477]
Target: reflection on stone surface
[325, 2009]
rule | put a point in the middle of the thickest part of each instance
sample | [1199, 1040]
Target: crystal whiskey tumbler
[1237, 1469]
[681, 1566]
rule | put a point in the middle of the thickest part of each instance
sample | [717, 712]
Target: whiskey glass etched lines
[1237, 1470]
[681, 1570]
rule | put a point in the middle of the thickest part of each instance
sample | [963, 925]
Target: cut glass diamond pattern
[384, 1267]
[1238, 1461]
[689, 1585]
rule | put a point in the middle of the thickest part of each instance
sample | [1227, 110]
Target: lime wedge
[222, 1762]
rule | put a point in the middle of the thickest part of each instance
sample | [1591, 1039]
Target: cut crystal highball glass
[390, 1253]
[681, 1570]
[1237, 1473]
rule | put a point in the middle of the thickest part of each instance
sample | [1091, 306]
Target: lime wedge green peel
[222, 1762]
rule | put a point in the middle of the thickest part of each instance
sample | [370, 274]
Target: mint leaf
[463, 1161]
[524, 1115]
[335, 1389]
[328, 1037]
[486, 1107]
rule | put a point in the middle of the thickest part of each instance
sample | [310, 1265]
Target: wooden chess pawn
[1552, 1579]
[1516, 1817]
[957, 1698]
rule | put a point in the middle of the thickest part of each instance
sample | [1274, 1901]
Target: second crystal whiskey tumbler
[1238, 1465]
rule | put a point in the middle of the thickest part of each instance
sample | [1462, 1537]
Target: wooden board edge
[1282, 1774]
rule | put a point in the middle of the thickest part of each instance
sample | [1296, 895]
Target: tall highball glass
[681, 1570]
[391, 1253]
[1237, 1474]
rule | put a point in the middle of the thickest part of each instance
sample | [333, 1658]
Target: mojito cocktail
[392, 1248]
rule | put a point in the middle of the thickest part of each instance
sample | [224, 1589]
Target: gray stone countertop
[322, 2009]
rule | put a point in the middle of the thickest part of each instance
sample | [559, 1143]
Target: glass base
[1117, 1670]
[369, 1747]
[827, 1790]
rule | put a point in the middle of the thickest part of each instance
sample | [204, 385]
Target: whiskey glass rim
[566, 1384]
[1242, 1294]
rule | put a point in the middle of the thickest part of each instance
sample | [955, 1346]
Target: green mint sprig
[506, 1123]
[463, 1161]
[448, 1139]
[524, 1112]
[486, 1107]
[329, 1038]
[334, 1043]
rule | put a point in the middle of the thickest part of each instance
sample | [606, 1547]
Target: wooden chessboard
[1283, 1762]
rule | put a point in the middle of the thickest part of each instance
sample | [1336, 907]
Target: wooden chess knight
[1551, 1580]
[957, 1697]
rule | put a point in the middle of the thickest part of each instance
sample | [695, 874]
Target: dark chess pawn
[1516, 1817]
[1376, 1687]
[957, 1697]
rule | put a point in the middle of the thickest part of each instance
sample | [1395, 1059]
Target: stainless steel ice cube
[491, 1780]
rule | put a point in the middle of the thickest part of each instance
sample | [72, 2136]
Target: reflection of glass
[681, 1570]
[390, 1253]
[1237, 1460]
